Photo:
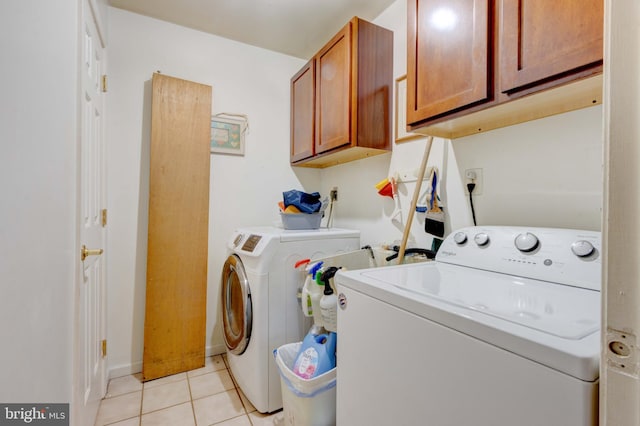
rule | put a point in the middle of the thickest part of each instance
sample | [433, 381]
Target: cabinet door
[334, 92]
[543, 39]
[448, 56]
[303, 113]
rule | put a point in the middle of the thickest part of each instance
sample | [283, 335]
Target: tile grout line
[141, 401]
[172, 405]
[193, 409]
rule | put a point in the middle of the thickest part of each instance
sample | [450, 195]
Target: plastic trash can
[306, 402]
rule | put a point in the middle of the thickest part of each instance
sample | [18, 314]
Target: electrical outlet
[334, 194]
[475, 176]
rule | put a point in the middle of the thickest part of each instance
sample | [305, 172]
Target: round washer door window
[236, 306]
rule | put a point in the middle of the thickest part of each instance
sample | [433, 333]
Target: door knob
[89, 252]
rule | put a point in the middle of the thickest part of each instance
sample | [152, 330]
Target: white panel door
[90, 365]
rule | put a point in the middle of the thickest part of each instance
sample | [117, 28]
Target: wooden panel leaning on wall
[176, 294]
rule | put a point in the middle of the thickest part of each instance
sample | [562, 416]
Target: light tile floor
[202, 397]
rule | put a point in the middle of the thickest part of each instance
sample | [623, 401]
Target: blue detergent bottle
[317, 354]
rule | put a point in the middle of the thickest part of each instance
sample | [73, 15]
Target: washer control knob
[460, 238]
[526, 242]
[582, 248]
[481, 239]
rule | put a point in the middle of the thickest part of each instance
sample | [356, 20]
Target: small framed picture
[401, 134]
[227, 135]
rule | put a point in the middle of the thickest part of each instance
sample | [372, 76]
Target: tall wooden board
[175, 313]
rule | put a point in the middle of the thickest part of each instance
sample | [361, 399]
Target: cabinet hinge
[104, 348]
[104, 83]
[104, 217]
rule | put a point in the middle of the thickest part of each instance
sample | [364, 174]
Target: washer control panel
[248, 243]
[565, 256]
[251, 243]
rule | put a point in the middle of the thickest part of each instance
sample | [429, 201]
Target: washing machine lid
[553, 324]
[559, 310]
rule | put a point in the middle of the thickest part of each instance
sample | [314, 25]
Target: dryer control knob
[582, 248]
[526, 242]
[481, 239]
[460, 238]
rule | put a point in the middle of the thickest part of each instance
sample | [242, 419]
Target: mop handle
[414, 201]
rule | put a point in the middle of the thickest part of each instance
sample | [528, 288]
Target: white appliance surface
[502, 329]
[268, 256]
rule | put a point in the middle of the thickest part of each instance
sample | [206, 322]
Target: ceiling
[293, 27]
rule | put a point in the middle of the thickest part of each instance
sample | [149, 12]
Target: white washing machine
[259, 300]
[502, 329]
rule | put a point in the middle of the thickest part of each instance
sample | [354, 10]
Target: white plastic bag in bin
[306, 388]
[305, 402]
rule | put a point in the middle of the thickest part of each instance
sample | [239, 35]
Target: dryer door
[236, 305]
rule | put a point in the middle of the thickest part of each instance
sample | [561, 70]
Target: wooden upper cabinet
[303, 112]
[353, 91]
[477, 65]
[544, 39]
[448, 56]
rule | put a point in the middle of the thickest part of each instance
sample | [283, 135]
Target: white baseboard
[136, 367]
[125, 370]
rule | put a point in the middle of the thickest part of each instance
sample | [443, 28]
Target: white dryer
[259, 300]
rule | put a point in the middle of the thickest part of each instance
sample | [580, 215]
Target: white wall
[38, 248]
[244, 190]
[544, 173]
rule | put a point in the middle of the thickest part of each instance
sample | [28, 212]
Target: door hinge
[104, 217]
[104, 348]
[104, 83]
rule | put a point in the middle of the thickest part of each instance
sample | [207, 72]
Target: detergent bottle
[309, 291]
[329, 301]
[317, 353]
[305, 300]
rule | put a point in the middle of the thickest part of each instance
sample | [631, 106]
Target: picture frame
[401, 134]
[228, 134]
